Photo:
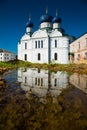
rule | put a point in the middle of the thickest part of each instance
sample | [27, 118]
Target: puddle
[42, 100]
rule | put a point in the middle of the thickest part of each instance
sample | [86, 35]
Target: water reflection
[67, 112]
[79, 81]
[42, 82]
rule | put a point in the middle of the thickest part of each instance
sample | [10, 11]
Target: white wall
[7, 56]
[32, 53]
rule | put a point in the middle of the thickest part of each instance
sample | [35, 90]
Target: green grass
[70, 68]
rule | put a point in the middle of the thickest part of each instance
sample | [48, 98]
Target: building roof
[56, 20]
[82, 35]
[30, 24]
[79, 37]
[5, 51]
[46, 18]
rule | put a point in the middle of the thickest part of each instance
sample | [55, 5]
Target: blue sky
[14, 15]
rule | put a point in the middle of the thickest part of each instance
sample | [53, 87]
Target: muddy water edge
[27, 110]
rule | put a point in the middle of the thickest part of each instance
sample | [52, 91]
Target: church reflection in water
[41, 82]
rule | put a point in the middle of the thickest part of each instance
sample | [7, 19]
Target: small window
[55, 82]
[78, 57]
[35, 44]
[41, 81]
[86, 55]
[79, 45]
[55, 56]
[25, 56]
[25, 79]
[25, 45]
[41, 43]
[38, 70]
[35, 81]
[55, 43]
[39, 57]
[38, 81]
[38, 44]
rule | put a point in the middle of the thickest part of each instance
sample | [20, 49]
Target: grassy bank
[71, 68]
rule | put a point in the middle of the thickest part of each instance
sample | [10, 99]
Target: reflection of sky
[11, 79]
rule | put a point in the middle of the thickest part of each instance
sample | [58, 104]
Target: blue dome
[45, 18]
[56, 20]
[30, 24]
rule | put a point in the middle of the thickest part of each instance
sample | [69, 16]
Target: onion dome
[56, 20]
[46, 18]
[29, 24]
[29, 27]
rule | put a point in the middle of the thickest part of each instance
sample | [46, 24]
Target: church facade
[48, 44]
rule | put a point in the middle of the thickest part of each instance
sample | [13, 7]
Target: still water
[37, 99]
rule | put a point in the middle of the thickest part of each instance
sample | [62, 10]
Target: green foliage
[70, 68]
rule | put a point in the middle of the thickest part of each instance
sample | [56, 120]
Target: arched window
[55, 56]
[41, 43]
[35, 81]
[25, 79]
[38, 70]
[55, 82]
[79, 45]
[39, 56]
[55, 43]
[25, 45]
[35, 44]
[25, 56]
[38, 44]
[38, 81]
[86, 55]
[78, 57]
[41, 81]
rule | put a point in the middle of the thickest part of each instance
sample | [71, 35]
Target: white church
[48, 44]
